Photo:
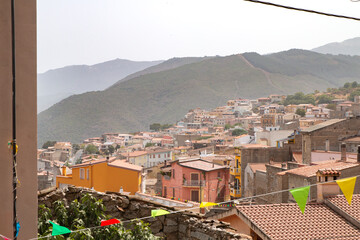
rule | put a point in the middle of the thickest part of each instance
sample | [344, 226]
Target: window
[173, 192]
[82, 173]
[219, 174]
[173, 173]
[87, 174]
[158, 155]
[326, 178]
[153, 155]
[319, 179]
[335, 177]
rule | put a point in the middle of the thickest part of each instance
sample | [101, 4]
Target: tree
[91, 149]
[300, 112]
[111, 149]
[86, 214]
[48, 144]
[76, 147]
[354, 84]
[227, 126]
[324, 99]
[238, 132]
[155, 127]
[149, 144]
[331, 106]
[347, 85]
[353, 94]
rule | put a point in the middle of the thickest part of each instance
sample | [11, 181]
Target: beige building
[25, 20]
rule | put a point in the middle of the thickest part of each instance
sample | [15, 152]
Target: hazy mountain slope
[167, 95]
[166, 65]
[82, 78]
[347, 47]
[334, 69]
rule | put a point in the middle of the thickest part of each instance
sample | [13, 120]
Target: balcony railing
[235, 170]
[235, 192]
[194, 183]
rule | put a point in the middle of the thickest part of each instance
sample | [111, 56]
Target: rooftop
[124, 164]
[310, 171]
[201, 165]
[340, 202]
[322, 125]
[285, 221]
[134, 154]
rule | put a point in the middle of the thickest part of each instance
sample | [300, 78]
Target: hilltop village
[245, 149]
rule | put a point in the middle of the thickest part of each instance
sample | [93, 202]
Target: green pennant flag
[59, 230]
[158, 212]
[300, 195]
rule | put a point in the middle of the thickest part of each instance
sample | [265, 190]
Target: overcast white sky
[93, 31]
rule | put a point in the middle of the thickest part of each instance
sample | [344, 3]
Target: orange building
[103, 175]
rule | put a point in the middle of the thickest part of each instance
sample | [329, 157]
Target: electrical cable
[14, 145]
[303, 10]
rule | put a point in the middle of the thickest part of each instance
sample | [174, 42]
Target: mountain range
[347, 47]
[165, 92]
[55, 85]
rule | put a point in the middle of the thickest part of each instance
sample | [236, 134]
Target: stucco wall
[25, 19]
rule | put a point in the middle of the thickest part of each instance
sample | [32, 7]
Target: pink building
[196, 180]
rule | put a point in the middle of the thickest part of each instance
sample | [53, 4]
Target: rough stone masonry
[182, 225]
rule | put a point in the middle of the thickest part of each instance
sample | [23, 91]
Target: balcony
[194, 183]
[235, 171]
[236, 193]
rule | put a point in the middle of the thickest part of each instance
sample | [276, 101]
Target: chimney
[306, 149]
[343, 152]
[107, 159]
[358, 154]
[327, 145]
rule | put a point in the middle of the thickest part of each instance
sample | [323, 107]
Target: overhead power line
[304, 10]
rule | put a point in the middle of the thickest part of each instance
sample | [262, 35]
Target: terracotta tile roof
[134, 154]
[297, 156]
[285, 221]
[329, 172]
[310, 171]
[124, 164]
[88, 163]
[257, 166]
[201, 165]
[353, 139]
[353, 210]
[322, 125]
[254, 146]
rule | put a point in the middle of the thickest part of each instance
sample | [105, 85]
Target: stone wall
[261, 155]
[182, 225]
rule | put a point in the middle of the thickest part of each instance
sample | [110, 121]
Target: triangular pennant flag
[158, 212]
[347, 186]
[109, 222]
[207, 204]
[300, 195]
[58, 230]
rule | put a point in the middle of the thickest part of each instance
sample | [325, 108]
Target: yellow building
[235, 172]
[137, 157]
[103, 175]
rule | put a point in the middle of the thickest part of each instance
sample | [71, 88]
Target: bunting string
[300, 195]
